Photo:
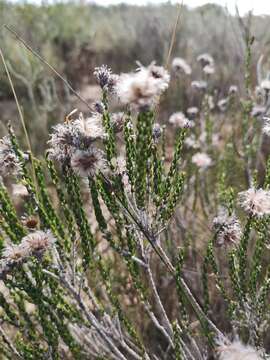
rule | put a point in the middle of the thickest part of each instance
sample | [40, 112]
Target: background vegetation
[75, 38]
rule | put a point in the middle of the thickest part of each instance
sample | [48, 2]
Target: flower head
[118, 121]
[223, 104]
[179, 120]
[90, 129]
[199, 84]
[237, 351]
[37, 242]
[33, 244]
[209, 69]
[143, 87]
[88, 162]
[9, 162]
[255, 201]
[202, 160]
[14, 253]
[105, 78]
[192, 112]
[180, 65]
[227, 227]
[80, 133]
[205, 59]
[233, 89]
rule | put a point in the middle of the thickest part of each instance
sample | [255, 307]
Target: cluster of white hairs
[117, 121]
[87, 163]
[75, 142]
[179, 65]
[201, 160]
[227, 227]
[34, 244]
[181, 68]
[77, 134]
[9, 163]
[255, 202]
[143, 87]
[207, 62]
[179, 120]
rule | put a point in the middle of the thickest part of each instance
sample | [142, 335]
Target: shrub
[125, 247]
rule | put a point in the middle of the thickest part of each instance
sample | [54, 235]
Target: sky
[259, 7]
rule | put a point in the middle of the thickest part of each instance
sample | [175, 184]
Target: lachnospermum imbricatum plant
[128, 239]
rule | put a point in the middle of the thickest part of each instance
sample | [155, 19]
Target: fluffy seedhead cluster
[74, 143]
[34, 244]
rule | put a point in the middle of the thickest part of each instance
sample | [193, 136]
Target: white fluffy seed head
[256, 202]
[38, 242]
[205, 59]
[91, 127]
[233, 89]
[143, 87]
[223, 104]
[33, 244]
[180, 65]
[192, 112]
[179, 120]
[227, 227]
[14, 253]
[199, 84]
[209, 69]
[68, 137]
[118, 121]
[87, 163]
[201, 160]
